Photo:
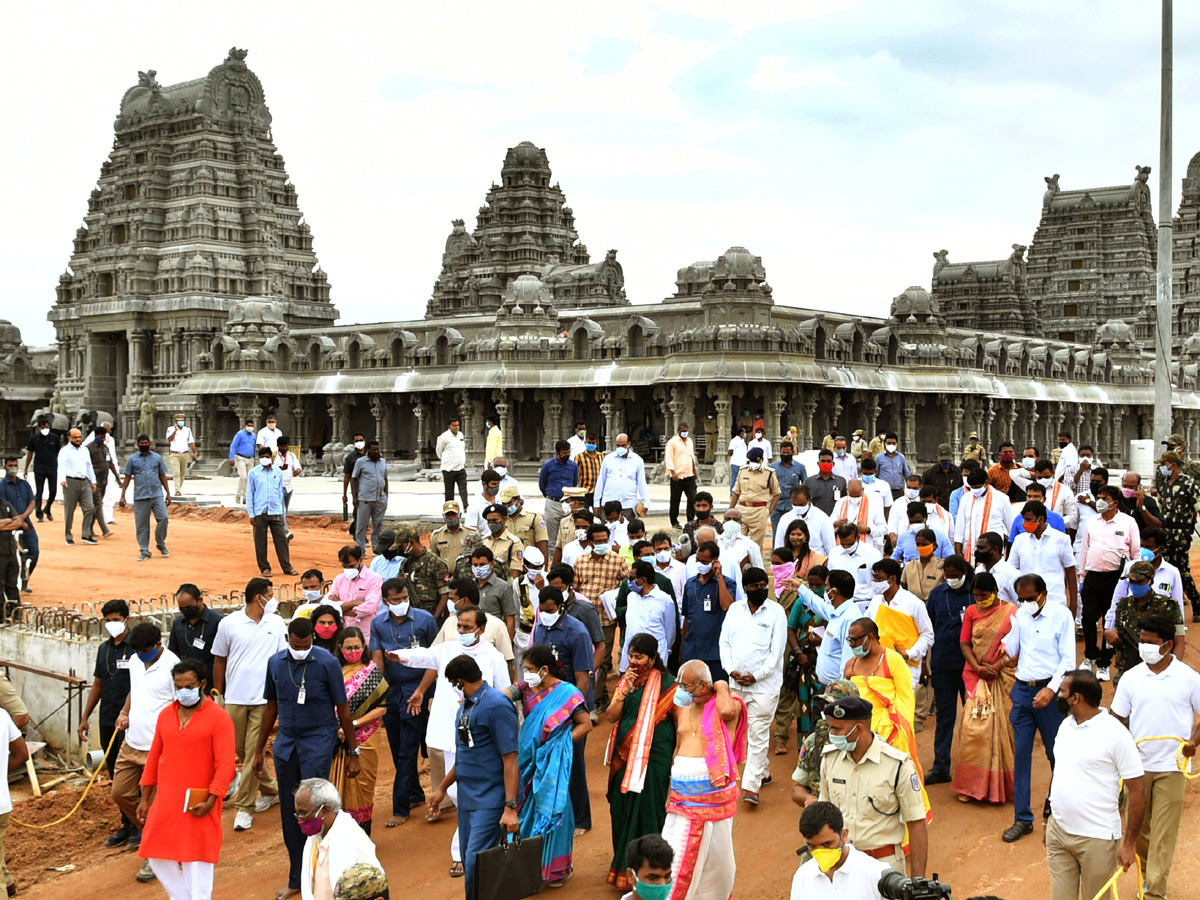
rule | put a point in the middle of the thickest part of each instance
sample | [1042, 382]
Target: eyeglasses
[305, 816]
[858, 641]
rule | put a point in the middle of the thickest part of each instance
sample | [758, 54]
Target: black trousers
[288, 774]
[274, 524]
[49, 481]
[948, 692]
[450, 480]
[680, 486]
[1096, 597]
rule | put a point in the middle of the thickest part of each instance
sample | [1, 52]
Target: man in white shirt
[269, 436]
[1068, 457]
[989, 555]
[868, 474]
[489, 493]
[762, 443]
[1095, 754]
[666, 563]
[737, 550]
[901, 605]
[151, 690]
[288, 464]
[182, 444]
[1042, 643]
[77, 477]
[897, 517]
[1045, 551]
[844, 463]
[578, 440]
[820, 526]
[737, 454]
[753, 640]
[863, 510]
[1160, 697]
[13, 754]
[245, 641]
[856, 557]
[648, 611]
[451, 449]
[835, 869]
[983, 508]
[1060, 497]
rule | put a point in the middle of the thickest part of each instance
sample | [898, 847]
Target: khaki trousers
[8, 879]
[1078, 863]
[179, 464]
[437, 772]
[247, 727]
[126, 780]
[242, 464]
[1160, 829]
[757, 522]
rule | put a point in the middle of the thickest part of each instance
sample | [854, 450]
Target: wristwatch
[511, 804]
[356, 751]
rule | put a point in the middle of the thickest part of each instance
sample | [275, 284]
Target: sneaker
[143, 557]
[70, 542]
[89, 540]
[145, 873]
[1088, 665]
[163, 551]
[290, 535]
[265, 802]
[750, 797]
[49, 516]
[233, 786]
[135, 838]
[118, 837]
[1102, 674]
[1016, 831]
[243, 821]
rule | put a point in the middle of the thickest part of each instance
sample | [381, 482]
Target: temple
[193, 286]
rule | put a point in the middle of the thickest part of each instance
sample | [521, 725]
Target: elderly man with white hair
[335, 841]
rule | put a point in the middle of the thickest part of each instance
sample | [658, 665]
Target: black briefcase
[511, 871]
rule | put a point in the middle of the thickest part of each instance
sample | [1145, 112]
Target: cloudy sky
[843, 142]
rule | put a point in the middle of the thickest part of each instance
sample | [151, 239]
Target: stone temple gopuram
[194, 279]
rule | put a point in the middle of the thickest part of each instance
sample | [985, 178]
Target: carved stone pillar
[378, 404]
[835, 408]
[1031, 423]
[910, 424]
[1120, 450]
[504, 411]
[677, 409]
[248, 406]
[723, 404]
[552, 410]
[423, 452]
[988, 423]
[608, 408]
[808, 409]
[956, 416]
[474, 441]
[339, 412]
[775, 410]
[300, 425]
[873, 412]
[177, 351]
[206, 441]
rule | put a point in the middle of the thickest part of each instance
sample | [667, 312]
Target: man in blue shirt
[16, 490]
[388, 559]
[622, 477]
[306, 694]
[557, 473]
[789, 473]
[839, 611]
[149, 473]
[891, 466]
[1036, 492]
[906, 541]
[706, 598]
[485, 765]
[264, 506]
[241, 457]
[403, 626]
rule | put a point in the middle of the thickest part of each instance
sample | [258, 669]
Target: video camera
[894, 886]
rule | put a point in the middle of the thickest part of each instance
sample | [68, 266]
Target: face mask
[352, 656]
[912, 493]
[115, 629]
[359, 445]
[944, 463]
[826, 857]
[852, 550]
[1128, 493]
[925, 550]
[501, 470]
[1063, 704]
[782, 571]
[1007, 457]
[270, 606]
[703, 568]
[1151, 654]
[622, 452]
[702, 515]
[987, 602]
[956, 583]
[1063, 443]
[313, 826]
[979, 491]
[43, 431]
[481, 572]
[755, 466]
[312, 596]
[581, 534]
[325, 632]
[757, 597]
[683, 434]
[187, 697]
[373, 454]
[879, 587]
[350, 573]
[179, 421]
[531, 575]
[533, 679]
[983, 557]
[682, 698]
[1103, 506]
[825, 467]
[191, 613]
[891, 448]
[601, 548]
[633, 586]
[143, 448]
[732, 530]
[265, 461]
[249, 429]
[391, 553]
[662, 556]
[1027, 462]
[11, 473]
[1085, 459]
[590, 448]
[1030, 606]
[147, 656]
[1139, 590]
[840, 453]
[548, 619]
[868, 479]
[495, 527]
[467, 639]
[842, 742]
[1165, 471]
[860, 651]
[1146, 554]
[1030, 527]
[299, 655]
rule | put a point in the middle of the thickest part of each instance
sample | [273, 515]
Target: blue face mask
[841, 742]
[633, 586]
[467, 639]
[591, 448]
[1146, 555]
[512, 510]
[148, 656]
[859, 651]
[868, 479]
[1139, 590]
[653, 891]
[682, 698]
[187, 697]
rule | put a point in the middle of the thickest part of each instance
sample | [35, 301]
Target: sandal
[265, 573]
[456, 870]
[780, 748]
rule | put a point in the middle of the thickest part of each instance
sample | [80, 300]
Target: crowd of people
[842, 610]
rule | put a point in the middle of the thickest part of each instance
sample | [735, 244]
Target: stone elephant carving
[87, 419]
[333, 457]
[58, 422]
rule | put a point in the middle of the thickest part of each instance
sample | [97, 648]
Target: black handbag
[510, 871]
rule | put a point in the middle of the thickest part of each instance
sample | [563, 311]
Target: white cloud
[774, 75]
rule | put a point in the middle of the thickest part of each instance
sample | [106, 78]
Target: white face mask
[931, 508]
[115, 629]
[399, 610]
[581, 534]
[880, 587]
[755, 466]
[249, 429]
[912, 493]
[501, 470]
[312, 596]
[533, 679]
[350, 573]
[1046, 482]
[840, 451]
[979, 491]
[964, 481]
[663, 556]
[299, 654]
[1103, 506]
[1030, 606]
[891, 448]
[732, 531]
[1151, 654]
[683, 434]
[43, 431]
[359, 445]
[956, 583]
[703, 568]
[265, 461]
[270, 606]
[1028, 462]
[622, 452]
[802, 511]
[548, 619]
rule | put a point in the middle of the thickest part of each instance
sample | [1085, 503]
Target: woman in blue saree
[555, 717]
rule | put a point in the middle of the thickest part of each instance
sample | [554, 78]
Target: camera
[894, 886]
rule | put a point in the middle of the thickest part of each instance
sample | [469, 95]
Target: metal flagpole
[1162, 333]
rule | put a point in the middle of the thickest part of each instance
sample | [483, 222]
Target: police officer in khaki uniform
[425, 570]
[576, 497]
[447, 542]
[757, 492]
[975, 450]
[529, 527]
[507, 549]
[875, 786]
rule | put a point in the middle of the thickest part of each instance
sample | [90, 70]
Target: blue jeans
[478, 829]
[141, 521]
[948, 692]
[733, 470]
[1026, 720]
[405, 735]
[30, 537]
[783, 506]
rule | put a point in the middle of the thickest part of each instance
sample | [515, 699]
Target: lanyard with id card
[301, 693]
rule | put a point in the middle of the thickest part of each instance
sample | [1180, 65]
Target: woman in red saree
[639, 751]
[983, 752]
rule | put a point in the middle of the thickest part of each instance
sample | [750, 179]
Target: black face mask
[191, 613]
[703, 514]
[390, 553]
[983, 556]
[143, 448]
[1063, 704]
[1063, 443]
[786, 457]
[757, 597]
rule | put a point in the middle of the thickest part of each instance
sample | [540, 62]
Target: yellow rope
[1180, 760]
[83, 797]
[1112, 882]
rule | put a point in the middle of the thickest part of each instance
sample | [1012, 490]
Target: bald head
[622, 440]
[854, 488]
[705, 533]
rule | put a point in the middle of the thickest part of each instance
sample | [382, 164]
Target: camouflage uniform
[360, 882]
[1177, 505]
[430, 576]
[462, 565]
[1129, 614]
[808, 761]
